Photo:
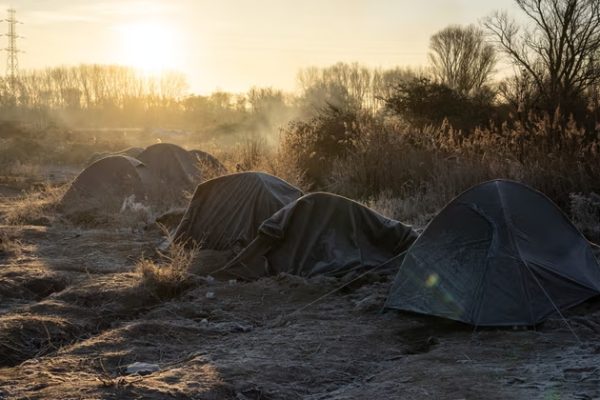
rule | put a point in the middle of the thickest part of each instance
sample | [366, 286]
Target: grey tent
[228, 210]
[175, 171]
[209, 164]
[500, 254]
[129, 152]
[104, 185]
[322, 234]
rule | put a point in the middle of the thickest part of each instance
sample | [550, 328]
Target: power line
[12, 60]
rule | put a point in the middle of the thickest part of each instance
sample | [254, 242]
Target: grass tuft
[170, 276]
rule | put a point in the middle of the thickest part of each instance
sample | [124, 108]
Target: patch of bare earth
[76, 309]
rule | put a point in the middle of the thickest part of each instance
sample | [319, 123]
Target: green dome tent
[322, 234]
[500, 254]
[227, 211]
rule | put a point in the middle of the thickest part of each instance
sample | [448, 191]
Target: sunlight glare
[149, 46]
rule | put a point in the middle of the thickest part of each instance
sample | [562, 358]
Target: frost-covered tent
[104, 185]
[175, 170]
[208, 164]
[323, 234]
[228, 210]
[500, 254]
[128, 152]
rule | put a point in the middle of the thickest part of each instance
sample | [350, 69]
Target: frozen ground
[73, 316]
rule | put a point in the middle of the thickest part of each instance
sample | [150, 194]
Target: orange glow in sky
[236, 44]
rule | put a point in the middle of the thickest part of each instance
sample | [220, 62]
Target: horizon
[234, 47]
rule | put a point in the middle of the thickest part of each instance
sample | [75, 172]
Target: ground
[74, 314]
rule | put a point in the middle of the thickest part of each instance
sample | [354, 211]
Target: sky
[233, 45]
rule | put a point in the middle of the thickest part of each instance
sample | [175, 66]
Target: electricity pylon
[12, 60]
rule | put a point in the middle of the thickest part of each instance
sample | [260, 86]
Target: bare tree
[461, 58]
[559, 52]
[339, 84]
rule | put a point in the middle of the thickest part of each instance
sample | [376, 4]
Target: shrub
[422, 102]
[169, 277]
[313, 145]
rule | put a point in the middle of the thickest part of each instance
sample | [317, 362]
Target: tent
[323, 234]
[106, 184]
[209, 164]
[500, 254]
[175, 171]
[226, 211]
[129, 152]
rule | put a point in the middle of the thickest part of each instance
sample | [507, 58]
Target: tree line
[556, 71]
[555, 60]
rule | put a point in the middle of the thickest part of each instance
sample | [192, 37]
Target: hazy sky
[234, 44]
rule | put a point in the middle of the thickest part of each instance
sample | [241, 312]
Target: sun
[151, 47]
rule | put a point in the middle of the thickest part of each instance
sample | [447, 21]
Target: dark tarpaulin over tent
[500, 254]
[322, 233]
[106, 184]
[228, 210]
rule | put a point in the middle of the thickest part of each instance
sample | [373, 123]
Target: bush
[313, 145]
[422, 102]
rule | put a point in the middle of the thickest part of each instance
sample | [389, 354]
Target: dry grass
[134, 214]
[10, 246]
[27, 335]
[416, 210]
[257, 154]
[20, 169]
[94, 213]
[210, 170]
[250, 154]
[36, 207]
[56, 146]
[585, 213]
[170, 276]
[410, 174]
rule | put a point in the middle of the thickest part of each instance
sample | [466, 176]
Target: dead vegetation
[27, 284]
[170, 276]
[9, 246]
[416, 171]
[80, 304]
[26, 336]
[37, 207]
[585, 213]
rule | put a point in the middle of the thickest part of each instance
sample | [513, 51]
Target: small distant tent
[323, 234]
[500, 254]
[209, 164]
[105, 185]
[227, 211]
[175, 170]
